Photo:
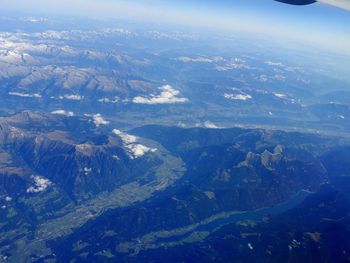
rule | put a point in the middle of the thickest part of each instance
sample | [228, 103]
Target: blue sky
[318, 23]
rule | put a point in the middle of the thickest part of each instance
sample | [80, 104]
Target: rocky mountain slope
[56, 172]
[233, 176]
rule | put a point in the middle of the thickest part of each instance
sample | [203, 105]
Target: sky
[318, 23]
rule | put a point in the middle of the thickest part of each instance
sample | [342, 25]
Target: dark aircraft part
[297, 2]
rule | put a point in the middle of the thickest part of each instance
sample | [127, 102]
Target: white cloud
[181, 124]
[134, 149]
[199, 59]
[168, 95]
[63, 112]
[99, 120]
[279, 95]
[235, 63]
[126, 138]
[210, 125]
[25, 95]
[71, 97]
[250, 246]
[40, 185]
[271, 63]
[109, 100]
[263, 78]
[34, 19]
[87, 170]
[138, 150]
[237, 96]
